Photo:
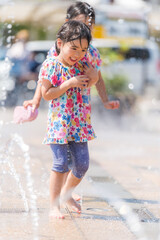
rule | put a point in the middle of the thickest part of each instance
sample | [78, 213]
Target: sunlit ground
[120, 193]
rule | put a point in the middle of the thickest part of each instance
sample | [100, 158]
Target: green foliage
[41, 33]
[116, 83]
[36, 32]
[109, 56]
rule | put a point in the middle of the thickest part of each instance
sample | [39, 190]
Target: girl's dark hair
[73, 30]
[79, 8]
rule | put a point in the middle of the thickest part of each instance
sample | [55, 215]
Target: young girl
[82, 11]
[69, 127]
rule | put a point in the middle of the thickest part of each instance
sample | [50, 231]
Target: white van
[140, 63]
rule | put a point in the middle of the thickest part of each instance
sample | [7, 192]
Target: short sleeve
[48, 72]
[52, 52]
[93, 57]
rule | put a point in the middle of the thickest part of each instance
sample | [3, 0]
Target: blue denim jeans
[74, 156]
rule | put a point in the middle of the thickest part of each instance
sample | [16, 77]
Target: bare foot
[55, 214]
[76, 197]
[73, 205]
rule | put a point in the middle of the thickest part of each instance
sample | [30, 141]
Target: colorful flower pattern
[69, 116]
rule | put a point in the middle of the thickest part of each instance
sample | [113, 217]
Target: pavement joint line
[12, 210]
[138, 201]
[129, 200]
[110, 179]
[102, 217]
[99, 209]
[111, 203]
[149, 216]
[19, 210]
[153, 169]
[76, 224]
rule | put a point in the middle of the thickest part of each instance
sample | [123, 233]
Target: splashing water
[19, 179]
[29, 179]
[7, 160]
[122, 208]
[30, 204]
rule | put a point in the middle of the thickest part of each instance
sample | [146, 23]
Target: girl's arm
[35, 102]
[49, 92]
[92, 73]
[101, 89]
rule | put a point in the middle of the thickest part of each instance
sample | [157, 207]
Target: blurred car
[15, 89]
[39, 50]
[140, 64]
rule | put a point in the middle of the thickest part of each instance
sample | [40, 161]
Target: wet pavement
[120, 195]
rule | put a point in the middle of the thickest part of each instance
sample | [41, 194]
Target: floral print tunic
[69, 116]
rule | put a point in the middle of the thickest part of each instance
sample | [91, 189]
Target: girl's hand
[34, 103]
[112, 104]
[80, 81]
[92, 73]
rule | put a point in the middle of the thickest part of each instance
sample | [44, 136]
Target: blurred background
[125, 156]
[127, 34]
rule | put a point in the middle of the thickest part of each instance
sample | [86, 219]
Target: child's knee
[85, 166]
[62, 168]
[60, 161]
[80, 170]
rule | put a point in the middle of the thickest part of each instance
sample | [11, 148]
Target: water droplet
[9, 39]
[157, 28]
[138, 179]
[120, 21]
[1, 123]
[124, 210]
[131, 86]
[9, 26]
[154, 101]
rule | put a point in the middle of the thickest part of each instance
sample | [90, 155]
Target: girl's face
[85, 20]
[72, 52]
